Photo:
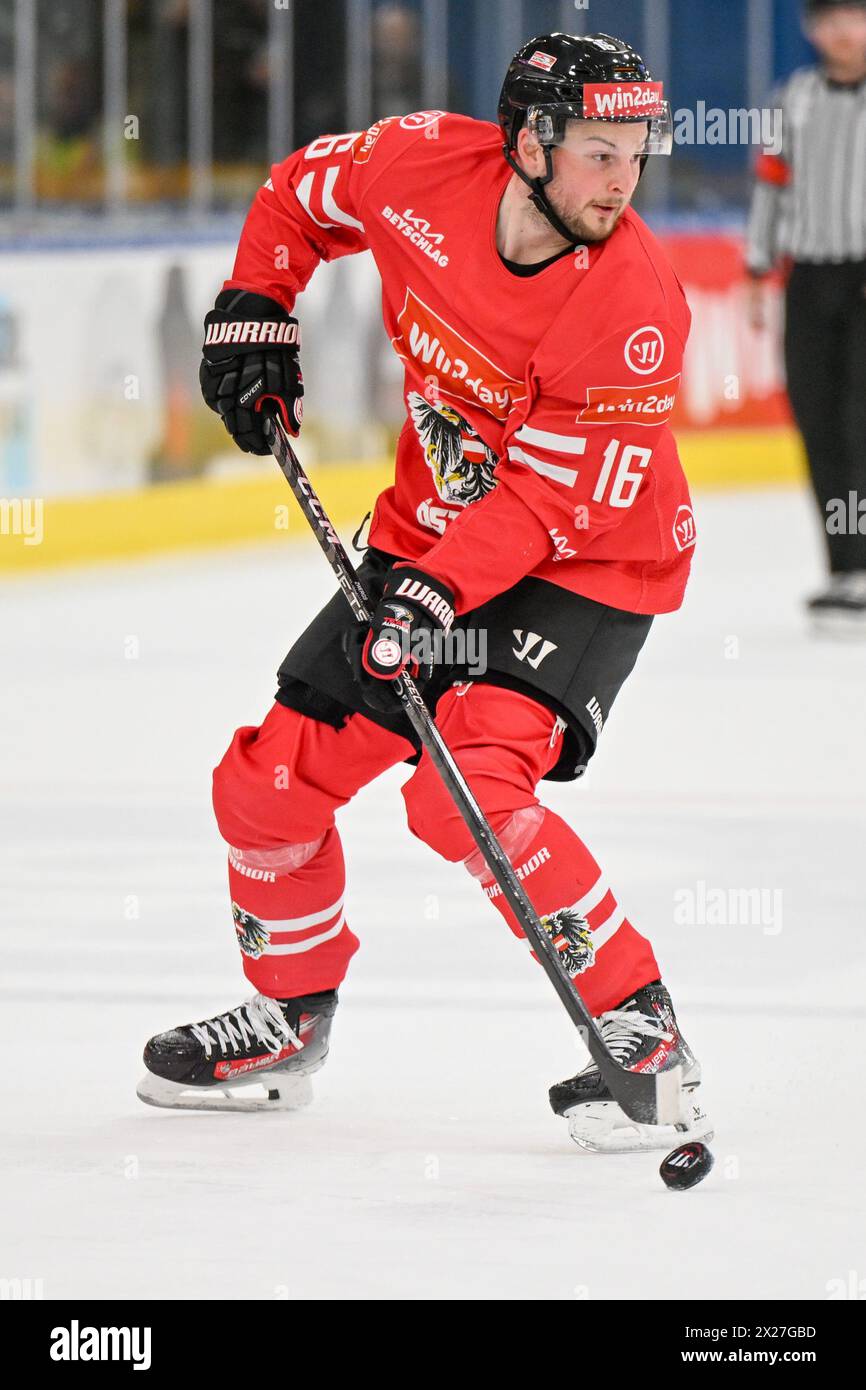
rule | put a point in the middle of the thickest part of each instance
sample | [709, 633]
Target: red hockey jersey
[536, 439]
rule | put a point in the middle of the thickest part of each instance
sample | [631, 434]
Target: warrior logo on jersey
[685, 532]
[253, 935]
[421, 120]
[645, 350]
[462, 464]
[571, 936]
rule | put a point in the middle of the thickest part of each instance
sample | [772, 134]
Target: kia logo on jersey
[685, 533]
[560, 542]
[418, 232]
[645, 350]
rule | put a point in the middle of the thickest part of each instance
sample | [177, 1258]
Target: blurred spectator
[69, 147]
[158, 40]
[240, 80]
[320, 96]
[7, 92]
[396, 60]
[7, 140]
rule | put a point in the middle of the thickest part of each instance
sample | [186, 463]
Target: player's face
[840, 35]
[596, 172]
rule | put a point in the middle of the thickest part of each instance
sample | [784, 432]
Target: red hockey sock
[275, 794]
[288, 910]
[558, 871]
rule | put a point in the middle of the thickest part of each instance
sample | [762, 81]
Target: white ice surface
[430, 1165]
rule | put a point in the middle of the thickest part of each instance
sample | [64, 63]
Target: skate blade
[670, 1099]
[846, 626]
[281, 1092]
[602, 1127]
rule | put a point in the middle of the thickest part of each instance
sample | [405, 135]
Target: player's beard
[583, 224]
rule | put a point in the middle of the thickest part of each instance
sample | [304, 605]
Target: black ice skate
[841, 609]
[643, 1035]
[268, 1043]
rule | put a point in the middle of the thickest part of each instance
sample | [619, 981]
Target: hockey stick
[647, 1099]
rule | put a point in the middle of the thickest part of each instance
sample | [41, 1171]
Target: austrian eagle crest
[572, 937]
[460, 475]
[253, 935]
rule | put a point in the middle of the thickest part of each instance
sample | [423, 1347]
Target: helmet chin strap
[538, 196]
[540, 199]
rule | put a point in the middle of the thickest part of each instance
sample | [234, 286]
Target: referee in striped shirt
[809, 211]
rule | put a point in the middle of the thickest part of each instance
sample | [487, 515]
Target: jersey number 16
[626, 480]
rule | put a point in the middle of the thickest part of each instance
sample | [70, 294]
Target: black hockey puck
[686, 1166]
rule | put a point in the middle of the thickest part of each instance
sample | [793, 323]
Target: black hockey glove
[408, 623]
[251, 356]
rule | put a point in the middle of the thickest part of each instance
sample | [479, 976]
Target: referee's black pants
[825, 360]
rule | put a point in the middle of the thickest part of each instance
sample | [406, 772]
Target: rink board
[204, 513]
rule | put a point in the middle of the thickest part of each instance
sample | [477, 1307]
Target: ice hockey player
[538, 500]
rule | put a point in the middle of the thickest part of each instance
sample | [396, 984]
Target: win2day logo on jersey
[642, 405]
[463, 372]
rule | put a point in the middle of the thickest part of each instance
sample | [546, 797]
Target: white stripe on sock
[312, 919]
[602, 934]
[294, 948]
[592, 899]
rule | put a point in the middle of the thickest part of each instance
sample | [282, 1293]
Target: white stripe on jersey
[566, 476]
[330, 207]
[303, 191]
[565, 443]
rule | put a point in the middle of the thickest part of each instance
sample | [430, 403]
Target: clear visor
[548, 125]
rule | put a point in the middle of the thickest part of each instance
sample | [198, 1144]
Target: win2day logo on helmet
[620, 100]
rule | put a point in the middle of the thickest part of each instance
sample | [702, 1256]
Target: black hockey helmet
[557, 77]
